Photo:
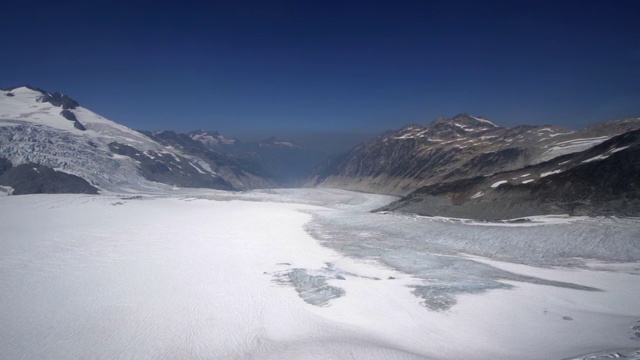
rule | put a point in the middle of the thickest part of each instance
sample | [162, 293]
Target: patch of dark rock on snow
[60, 100]
[5, 165]
[567, 318]
[39, 179]
[69, 115]
[132, 197]
[313, 289]
[9, 94]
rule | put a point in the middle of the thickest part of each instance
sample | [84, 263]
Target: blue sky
[328, 66]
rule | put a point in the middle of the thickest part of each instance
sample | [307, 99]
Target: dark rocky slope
[38, 179]
[239, 173]
[448, 149]
[604, 180]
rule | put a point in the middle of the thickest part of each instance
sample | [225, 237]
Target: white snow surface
[477, 195]
[498, 183]
[198, 274]
[605, 155]
[545, 174]
[484, 121]
[613, 151]
[595, 158]
[570, 146]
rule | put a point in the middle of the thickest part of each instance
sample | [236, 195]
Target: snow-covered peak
[27, 105]
[212, 138]
[23, 92]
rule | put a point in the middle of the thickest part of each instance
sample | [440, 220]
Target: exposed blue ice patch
[431, 250]
[311, 288]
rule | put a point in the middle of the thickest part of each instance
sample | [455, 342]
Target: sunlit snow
[498, 183]
[571, 146]
[306, 274]
[545, 174]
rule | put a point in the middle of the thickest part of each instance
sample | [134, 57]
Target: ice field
[307, 274]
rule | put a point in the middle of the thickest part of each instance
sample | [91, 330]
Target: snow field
[158, 277]
[165, 278]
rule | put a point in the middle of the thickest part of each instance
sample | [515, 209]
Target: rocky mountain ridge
[602, 180]
[449, 149]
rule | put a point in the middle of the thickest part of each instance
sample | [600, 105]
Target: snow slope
[189, 276]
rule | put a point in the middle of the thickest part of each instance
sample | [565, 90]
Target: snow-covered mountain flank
[52, 130]
[449, 149]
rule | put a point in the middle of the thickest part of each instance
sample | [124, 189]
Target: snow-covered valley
[307, 273]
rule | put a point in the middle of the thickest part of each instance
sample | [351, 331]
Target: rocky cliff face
[603, 180]
[449, 149]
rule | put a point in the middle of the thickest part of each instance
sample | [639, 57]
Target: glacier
[307, 274]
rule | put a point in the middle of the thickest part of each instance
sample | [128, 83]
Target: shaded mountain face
[603, 180]
[239, 173]
[53, 131]
[288, 163]
[448, 149]
[38, 179]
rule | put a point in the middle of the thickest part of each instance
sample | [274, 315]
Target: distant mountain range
[464, 166]
[468, 167]
[287, 162]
